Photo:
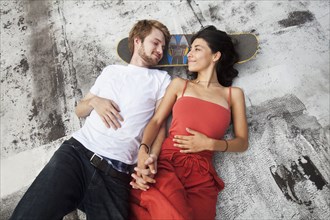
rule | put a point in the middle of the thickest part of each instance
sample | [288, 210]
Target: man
[91, 171]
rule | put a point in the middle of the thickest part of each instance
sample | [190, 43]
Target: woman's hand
[145, 171]
[193, 143]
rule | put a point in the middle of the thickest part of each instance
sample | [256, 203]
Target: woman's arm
[144, 176]
[240, 141]
[149, 159]
[162, 113]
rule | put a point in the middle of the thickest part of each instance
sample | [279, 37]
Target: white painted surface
[52, 51]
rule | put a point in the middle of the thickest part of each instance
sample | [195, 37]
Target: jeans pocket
[96, 181]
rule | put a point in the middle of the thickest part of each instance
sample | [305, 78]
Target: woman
[186, 184]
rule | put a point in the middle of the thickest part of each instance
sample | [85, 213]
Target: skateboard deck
[246, 45]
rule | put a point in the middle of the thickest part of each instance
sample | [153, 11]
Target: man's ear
[137, 44]
[137, 41]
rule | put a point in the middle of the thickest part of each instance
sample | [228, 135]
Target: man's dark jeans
[68, 182]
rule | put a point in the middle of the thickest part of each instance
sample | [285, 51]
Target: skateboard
[246, 45]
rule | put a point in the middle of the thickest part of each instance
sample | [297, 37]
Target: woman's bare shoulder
[178, 82]
[176, 86]
[237, 96]
[237, 91]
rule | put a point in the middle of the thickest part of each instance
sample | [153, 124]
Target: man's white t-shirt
[135, 90]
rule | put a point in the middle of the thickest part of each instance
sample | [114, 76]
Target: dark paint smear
[297, 18]
[251, 8]
[313, 173]
[293, 111]
[213, 13]
[56, 124]
[286, 182]
[264, 118]
[23, 67]
[7, 25]
[287, 179]
[34, 110]
[199, 15]
[48, 76]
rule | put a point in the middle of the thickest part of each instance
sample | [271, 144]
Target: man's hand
[193, 143]
[145, 171]
[108, 110]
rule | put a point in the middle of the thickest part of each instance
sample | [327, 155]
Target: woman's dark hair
[219, 41]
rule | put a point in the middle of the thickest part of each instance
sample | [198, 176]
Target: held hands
[193, 143]
[145, 171]
[108, 110]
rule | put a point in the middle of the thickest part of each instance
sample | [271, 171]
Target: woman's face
[200, 56]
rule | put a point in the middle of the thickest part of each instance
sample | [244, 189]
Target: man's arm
[107, 109]
[83, 108]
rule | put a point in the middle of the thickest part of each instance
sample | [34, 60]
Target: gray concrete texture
[52, 51]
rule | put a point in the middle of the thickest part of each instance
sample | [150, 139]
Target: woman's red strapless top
[203, 116]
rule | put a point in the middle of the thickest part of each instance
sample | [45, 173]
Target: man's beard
[148, 59]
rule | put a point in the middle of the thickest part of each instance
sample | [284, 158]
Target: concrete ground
[52, 52]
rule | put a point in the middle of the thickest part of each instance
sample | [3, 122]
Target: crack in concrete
[198, 15]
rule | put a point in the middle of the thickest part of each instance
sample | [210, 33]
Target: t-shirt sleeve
[166, 81]
[99, 82]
